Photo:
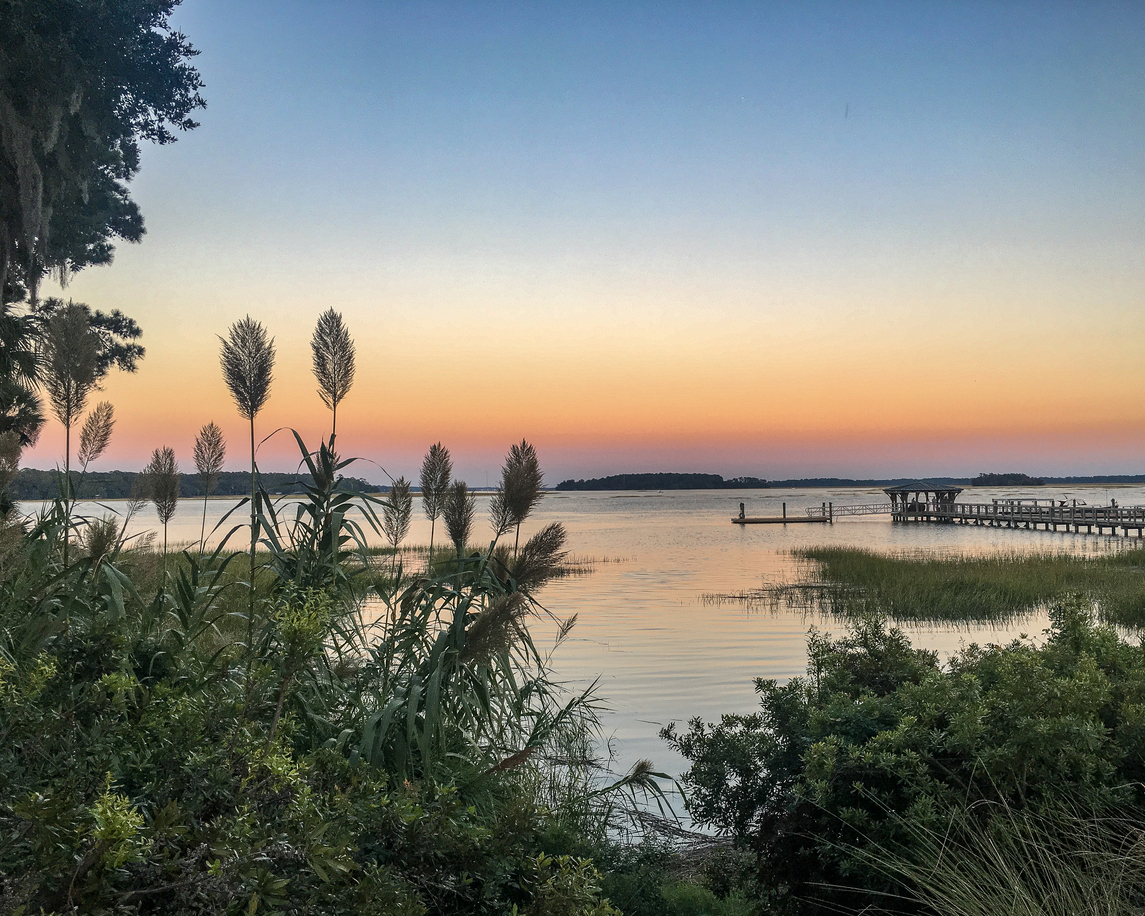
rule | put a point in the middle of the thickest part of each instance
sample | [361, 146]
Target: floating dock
[811, 517]
[779, 520]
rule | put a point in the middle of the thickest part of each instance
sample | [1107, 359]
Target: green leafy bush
[879, 741]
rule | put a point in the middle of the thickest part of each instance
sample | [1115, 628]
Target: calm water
[661, 654]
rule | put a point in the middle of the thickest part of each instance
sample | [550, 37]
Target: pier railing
[833, 511]
[1026, 515]
[1008, 514]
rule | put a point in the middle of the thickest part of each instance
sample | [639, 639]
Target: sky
[777, 239]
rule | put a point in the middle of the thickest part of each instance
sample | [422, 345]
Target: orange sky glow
[786, 258]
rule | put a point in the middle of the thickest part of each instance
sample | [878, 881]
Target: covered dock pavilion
[921, 499]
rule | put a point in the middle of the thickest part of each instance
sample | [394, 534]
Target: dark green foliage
[879, 741]
[81, 84]
[20, 409]
[650, 878]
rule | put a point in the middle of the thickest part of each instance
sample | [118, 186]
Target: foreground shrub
[879, 741]
[152, 760]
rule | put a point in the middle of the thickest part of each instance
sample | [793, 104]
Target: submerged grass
[975, 589]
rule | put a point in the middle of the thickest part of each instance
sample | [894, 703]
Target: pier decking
[1033, 514]
[922, 501]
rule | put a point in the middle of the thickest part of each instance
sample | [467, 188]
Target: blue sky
[600, 203]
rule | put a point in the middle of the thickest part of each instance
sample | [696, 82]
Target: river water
[659, 651]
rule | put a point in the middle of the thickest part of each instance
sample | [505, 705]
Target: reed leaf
[1059, 862]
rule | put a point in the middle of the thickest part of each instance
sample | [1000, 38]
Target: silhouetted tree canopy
[82, 83]
[1012, 479]
[34, 484]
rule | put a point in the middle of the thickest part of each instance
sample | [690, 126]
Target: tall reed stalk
[518, 493]
[247, 359]
[436, 471]
[397, 511]
[458, 510]
[163, 478]
[69, 360]
[332, 352]
[210, 452]
[95, 435]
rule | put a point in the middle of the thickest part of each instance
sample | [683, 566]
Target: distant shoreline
[715, 482]
[36, 485]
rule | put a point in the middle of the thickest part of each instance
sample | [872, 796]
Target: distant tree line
[716, 482]
[1007, 480]
[664, 482]
[32, 484]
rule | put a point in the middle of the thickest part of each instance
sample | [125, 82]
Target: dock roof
[923, 486]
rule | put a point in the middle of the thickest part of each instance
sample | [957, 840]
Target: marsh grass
[923, 587]
[1056, 863]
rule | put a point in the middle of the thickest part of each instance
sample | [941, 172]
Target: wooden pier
[923, 501]
[1034, 515]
